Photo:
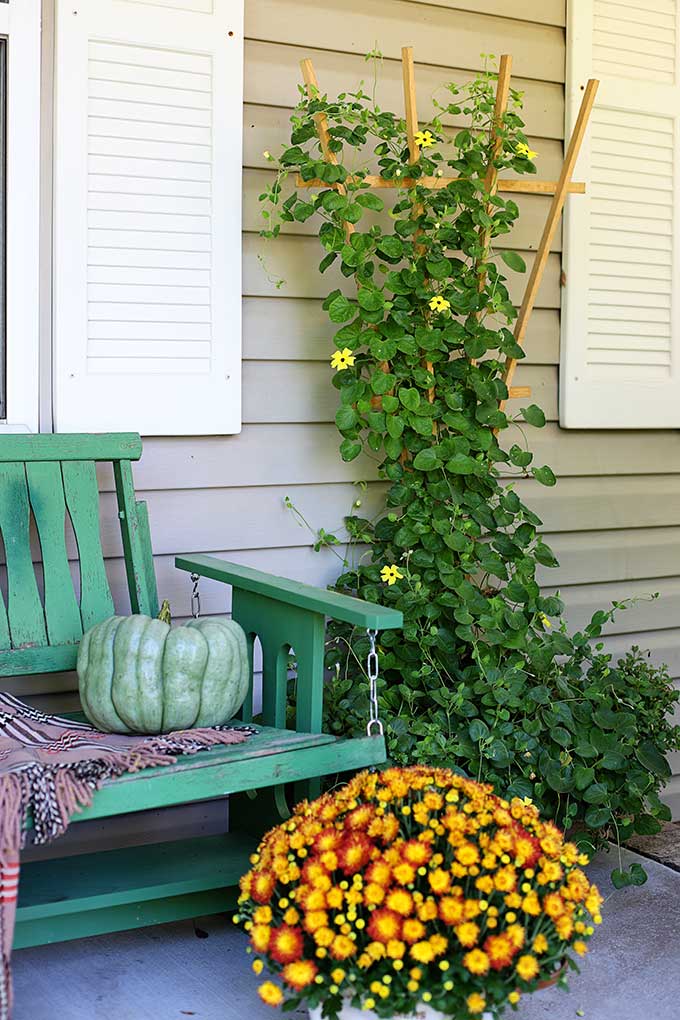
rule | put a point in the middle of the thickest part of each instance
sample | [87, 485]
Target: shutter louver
[621, 337]
[147, 232]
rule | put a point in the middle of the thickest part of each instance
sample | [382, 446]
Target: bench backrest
[51, 478]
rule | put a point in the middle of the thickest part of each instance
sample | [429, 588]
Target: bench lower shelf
[115, 890]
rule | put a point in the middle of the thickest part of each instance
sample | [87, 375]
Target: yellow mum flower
[391, 574]
[342, 359]
[514, 997]
[580, 947]
[524, 150]
[270, 993]
[476, 1002]
[467, 933]
[258, 966]
[540, 944]
[423, 139]
[439, 304]
[527, 967]
[476, 961]
[423, 952]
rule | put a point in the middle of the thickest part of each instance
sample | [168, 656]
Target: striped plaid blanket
[51, 767]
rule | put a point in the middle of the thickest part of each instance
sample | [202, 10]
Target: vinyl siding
[614, 518]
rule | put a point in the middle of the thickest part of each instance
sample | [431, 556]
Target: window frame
[20, 23]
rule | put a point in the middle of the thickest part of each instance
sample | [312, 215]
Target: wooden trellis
[492, 183]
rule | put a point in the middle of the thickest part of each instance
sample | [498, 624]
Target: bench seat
[268, 758]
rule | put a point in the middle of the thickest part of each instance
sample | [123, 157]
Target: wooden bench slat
[237, 769]
[46, 492]
[111, 877]
[24, 610]
[82, 500]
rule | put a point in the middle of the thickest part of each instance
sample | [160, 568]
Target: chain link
[195, 598]
[373, 671]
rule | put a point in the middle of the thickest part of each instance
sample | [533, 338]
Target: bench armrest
[294, 593]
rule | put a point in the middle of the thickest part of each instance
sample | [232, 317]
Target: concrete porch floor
[168, 973]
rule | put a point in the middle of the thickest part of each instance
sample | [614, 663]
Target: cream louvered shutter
[621, 329]
[147, 285]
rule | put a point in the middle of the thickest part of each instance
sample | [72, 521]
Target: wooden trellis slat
[525, 186]
[551, 224]
[312, 86]
[491, 176]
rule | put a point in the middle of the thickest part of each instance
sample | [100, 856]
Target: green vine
[480, 675]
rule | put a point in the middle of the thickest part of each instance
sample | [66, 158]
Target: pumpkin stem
[164, 614]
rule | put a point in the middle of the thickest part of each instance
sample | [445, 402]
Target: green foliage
[478, 676]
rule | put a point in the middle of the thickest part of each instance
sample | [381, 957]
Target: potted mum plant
[414, 893]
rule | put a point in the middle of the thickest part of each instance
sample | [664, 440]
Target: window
[19, 211]
[621, 325]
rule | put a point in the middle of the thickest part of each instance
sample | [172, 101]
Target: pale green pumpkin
[139, 675]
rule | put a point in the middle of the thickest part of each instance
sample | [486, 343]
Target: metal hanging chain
[195, 597]
[373, 670]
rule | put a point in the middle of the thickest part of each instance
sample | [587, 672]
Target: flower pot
[423, 1012]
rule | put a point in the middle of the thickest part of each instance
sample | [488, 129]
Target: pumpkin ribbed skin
[139, 675]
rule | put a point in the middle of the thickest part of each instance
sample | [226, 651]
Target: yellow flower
[467, 933]
[338, 975]
[258, 966]
[391, 574]
[439, 304]
[270, 993]
[476, 961]
[580, 947]
[342, 359]
[476, 1002]
[540, 944]
[514, 997]
[423, 139]
[423, 952]
[524, 150]
[527, 967]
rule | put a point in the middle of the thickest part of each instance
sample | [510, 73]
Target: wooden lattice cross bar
[492, 183]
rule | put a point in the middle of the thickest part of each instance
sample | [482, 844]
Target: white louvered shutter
[621, 328]
[147, 244]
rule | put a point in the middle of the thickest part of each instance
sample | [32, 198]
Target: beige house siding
[614, 518]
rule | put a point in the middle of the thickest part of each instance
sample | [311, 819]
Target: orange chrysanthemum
[342, 947]
[285, 943]
[412, 930]
[328, 839]
[451, 909]
[260, 935]
[384, 925]
[417, 853]
[500, 950]
[380, 873]
[263, 886]
[299, 974]
[354, 853]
